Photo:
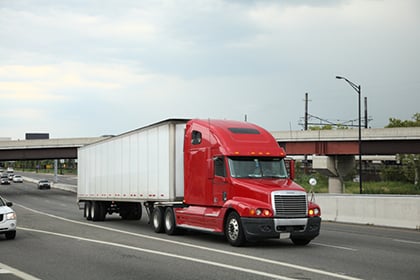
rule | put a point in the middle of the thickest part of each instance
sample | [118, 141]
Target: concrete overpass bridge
[65, 148]
[333, 151]
[375, 141]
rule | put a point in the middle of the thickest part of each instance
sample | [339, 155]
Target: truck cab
[236, 183]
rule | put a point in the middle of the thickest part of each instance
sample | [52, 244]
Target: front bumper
[7, 225]
[262, 228]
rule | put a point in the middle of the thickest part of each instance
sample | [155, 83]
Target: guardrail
[402, 211]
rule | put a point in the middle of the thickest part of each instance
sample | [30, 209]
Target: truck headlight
[11, 216]
[260, 212]
[314, 212]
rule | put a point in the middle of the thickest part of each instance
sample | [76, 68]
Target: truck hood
[261, 189]
[5, 209]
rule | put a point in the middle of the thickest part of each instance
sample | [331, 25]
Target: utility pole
[366, 113]
[306, 128]
[358, 89]
[306, 111]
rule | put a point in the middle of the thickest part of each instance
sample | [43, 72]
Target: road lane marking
[196, 260]
[406, 241]
[279, 263]
[336, 247]
[5, 269]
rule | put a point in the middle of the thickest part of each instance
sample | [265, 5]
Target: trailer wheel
[234, 231]
[169, 221]
[157, 219]
[97, 211]
[135, 211]
[87, 215]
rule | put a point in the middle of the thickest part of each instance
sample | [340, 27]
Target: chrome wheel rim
[233, 229]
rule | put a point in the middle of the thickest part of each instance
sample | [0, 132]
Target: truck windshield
[257, 167]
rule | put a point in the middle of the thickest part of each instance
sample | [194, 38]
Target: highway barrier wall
[402, 211]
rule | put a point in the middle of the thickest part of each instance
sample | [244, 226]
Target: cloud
[101, 67]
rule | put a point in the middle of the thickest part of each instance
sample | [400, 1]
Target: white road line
[5, 269]
[336, 247]
[279, 263]
[406, 241]
[241, 269]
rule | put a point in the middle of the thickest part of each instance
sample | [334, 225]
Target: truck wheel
[157, 219]
[300, 241]
[234, 231]
[169, 221]
[87, 215]
[10, 235]
[97, 211]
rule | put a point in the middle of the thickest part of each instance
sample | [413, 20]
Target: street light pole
[358, 89]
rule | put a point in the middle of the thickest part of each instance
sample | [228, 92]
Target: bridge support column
[335, 167]
[335, 185]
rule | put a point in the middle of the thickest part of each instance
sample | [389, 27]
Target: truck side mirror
[290, 166]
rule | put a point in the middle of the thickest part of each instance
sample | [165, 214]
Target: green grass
[382, 187]
[50, 171]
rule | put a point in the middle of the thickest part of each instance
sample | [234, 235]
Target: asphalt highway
[54, 241]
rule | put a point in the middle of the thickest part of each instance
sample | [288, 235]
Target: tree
[393, 122]
[411, 163]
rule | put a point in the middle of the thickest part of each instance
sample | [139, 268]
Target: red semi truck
[217, 176]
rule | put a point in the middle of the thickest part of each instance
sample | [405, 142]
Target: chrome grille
[290, 206]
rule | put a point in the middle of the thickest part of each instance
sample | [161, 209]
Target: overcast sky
[88, 68]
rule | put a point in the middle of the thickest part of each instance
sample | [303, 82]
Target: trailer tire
[157, 219]
[87, 215]
[135, 211]
[234, 231]
[97, 211]
[170, 222]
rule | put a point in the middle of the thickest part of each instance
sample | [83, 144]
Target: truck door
[220, 184]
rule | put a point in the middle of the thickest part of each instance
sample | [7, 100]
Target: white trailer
[119, 173]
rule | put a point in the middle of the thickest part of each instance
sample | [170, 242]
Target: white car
[7, 219]
[17, 179]
[44, 184]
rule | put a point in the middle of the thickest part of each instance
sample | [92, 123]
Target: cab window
[196, 137]
[219, 167]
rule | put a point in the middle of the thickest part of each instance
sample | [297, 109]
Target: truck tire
[157, 219]
[234, 231]
[10, 235]
[97, 211]
[87, 215]
[135, 211]
[170, 222]
[300, 241]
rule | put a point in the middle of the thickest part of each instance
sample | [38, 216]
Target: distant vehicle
[4, 180]
[10, 176]
[17, 179]
[7, 219]
[44, 184]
